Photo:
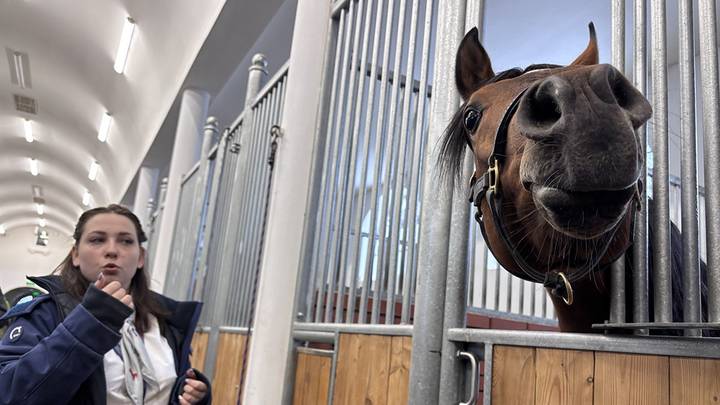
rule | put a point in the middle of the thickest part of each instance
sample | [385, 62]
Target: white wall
[20, 257]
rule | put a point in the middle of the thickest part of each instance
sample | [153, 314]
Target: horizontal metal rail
[394, 330]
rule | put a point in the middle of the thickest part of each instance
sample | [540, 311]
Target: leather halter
[488, 187]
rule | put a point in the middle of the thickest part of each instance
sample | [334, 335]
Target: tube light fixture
[124, 46]
[104, 130]
[92, 173]
[42, 222]
[86, 198]
[34, 167]
[28, 131]
[19, 69]
[2, 230]
[40, 208]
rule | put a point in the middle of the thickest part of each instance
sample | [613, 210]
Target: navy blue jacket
[52, 352]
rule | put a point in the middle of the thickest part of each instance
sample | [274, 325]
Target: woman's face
[109, 245]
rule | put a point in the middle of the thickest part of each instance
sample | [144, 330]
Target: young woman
[100, 336]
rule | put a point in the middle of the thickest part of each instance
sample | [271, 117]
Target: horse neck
[591, 304]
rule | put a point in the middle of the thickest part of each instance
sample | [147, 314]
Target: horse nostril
[541, 107]
[612, 87]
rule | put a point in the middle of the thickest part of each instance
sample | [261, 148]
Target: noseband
[487, 187]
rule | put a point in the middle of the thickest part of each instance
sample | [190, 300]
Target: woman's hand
[115, 290]
[194, 390]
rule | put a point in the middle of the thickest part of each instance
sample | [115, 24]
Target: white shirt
[163, 363]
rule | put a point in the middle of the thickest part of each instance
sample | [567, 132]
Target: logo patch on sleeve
[15, 333]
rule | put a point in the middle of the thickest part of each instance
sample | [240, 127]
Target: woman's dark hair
[76, 285]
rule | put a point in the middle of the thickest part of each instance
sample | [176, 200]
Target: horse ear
[472, 65]
[590, 54]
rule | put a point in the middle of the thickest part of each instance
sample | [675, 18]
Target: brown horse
[558, 170]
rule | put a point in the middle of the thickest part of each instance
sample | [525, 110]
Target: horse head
[557, 162]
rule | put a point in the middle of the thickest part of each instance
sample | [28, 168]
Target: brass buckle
[494, 176]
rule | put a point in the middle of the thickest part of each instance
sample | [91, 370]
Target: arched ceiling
[71, 47]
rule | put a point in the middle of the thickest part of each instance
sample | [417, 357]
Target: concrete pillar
[271, 344]
[144, 192]
[186, 151]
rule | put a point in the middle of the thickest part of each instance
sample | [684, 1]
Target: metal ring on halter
[568, 288]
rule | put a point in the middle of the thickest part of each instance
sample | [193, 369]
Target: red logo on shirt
[133, 374]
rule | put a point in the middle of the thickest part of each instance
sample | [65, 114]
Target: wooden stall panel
[399, 378]
[312, 379]
[199, 350]
[622, 379]
[372, 369]
[694, 381]
[513, 378]
[563, 377]
[228, 366]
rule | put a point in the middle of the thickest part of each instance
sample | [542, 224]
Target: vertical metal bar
[322, 214]
[334, 291]
[456, 285]
[388, 147]
[398, 194]
[484, 262]
[436, 217]
[353, 130]
[487, 383]
[379, 156]
[640, 251]
[617, 272]
[691, 273]
[326, 263]
[359, 209]
[711, 134]
[661, 215]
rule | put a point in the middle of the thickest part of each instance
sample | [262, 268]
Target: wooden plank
[231, 349]
[622, 379]
[362, 369]
[399, 374]
[199, 350]
[513, 376]
[563, 377]
[301, 374]
[694, 381]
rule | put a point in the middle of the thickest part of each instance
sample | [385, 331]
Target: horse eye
[472, 119]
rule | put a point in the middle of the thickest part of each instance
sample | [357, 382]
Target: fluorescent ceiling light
[42, 222]
[40, 208]
[92, 173]
[86, 198]
[28, 130]
[104, 127]
[19, 69]
[124, 46]
[34, 167]
[2, 230]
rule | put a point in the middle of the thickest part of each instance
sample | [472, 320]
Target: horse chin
[581, 215]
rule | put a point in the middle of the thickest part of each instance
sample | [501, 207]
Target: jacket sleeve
[43, 363]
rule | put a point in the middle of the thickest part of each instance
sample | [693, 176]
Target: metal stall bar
[322, 215]
[417, 143]
[640, 251]
[399, 195]
[617, 272]
[435, 217]
[661, 215]
[366, 136]
[352, 119]
[354, 209]
[711, 133]
[390, 156]
[451, 368]
[379, 156]
[691, 272]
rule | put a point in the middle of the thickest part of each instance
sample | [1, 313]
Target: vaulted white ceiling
[71, 47]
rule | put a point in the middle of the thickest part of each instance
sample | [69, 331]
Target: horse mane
[455, 138]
